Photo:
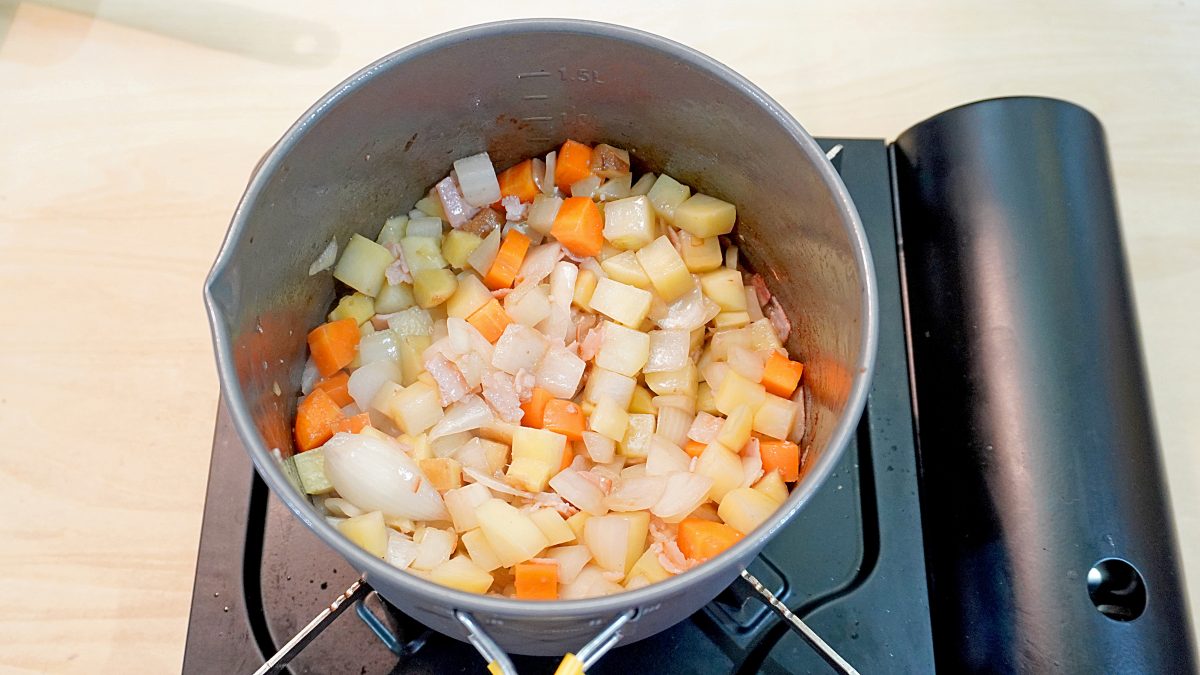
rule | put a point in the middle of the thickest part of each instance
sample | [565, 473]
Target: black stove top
[851, 564]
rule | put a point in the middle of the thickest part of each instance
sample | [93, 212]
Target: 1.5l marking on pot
[587, 75]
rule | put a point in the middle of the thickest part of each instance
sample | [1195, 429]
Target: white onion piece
[579, 491]
[401, 550]
[634, 470]
[467, 414]
[684, 403]
[749, 364]
[558, 325]
[539, 173]
[752, 466]
[571, 560]
[688, 312]
[518, 348]
[366, 380]
[591, 265]
[326, 259]
[495, 484]
[340, 507]
[560, 372]
[548, 182]
[376, 475]
[668, 350]
[673, 424]
[446, 446]
[484, 255]
[635, 493]
[477, 179]
[309, 377]
[683, 494]
[590, 583]
[462, 502]
[714, 374]
[466, 338]
[434, 547]
[599, 447]
[379, 346]
[608, 540]
[704, 428]
[665, 457]
[539, 263]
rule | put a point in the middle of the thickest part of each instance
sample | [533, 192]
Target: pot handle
[499, 662]
[831, 657]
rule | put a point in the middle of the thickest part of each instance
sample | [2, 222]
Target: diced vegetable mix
[551, 382]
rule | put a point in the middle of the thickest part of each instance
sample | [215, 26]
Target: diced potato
[682, 382]
[462, 502]
[443, 473]
[362, 265]
[354, 306]
[636, 443]
[736, 390]
[745, 508]
[433, 287]
[421, 450]
[368, 532]
[665, 268]
[310, 466]
[422, 253]
[487, 455]
[553, 526]
[461, 573]
[731, 257]
[723, 467]
[705, 216]
[431, 206]
[762, 336]
[412, 321]
[623, 350]
[543, 212]
[629, 223]
[775, 417]
[457, 245]
[394, 297]
[735, 430]
[666, 195]
[669, 350]
[424, 227]
[620, 302]
[605, 383]
[469, 296]
[724, 287]
[536, 456]
[519, 348]
[576, 522]
[643, 184]
[609, 420]
[481, 552]
[642, 401]
[412, 349]
[414, 408]
[647, 567]
[585, 285]
[704, 399]
[700, 254]
[731, 320]
[625, 268]
[527, 307]
[615, 188]
[772, 485]
[393, 230]
[512, 535]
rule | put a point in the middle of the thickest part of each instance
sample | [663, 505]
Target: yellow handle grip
[571, 665]
[494, 668]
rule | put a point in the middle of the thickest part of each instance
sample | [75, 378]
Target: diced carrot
[568, 456]
[535, 408]
[517, 181]
[537, 581]
[490, 320]
[333, 345]
[781, 456]
[572, 164]
[781, 375]
[508, 261]
[337, 386]
[316, 417]
[353, 425]
[579, 226]
[563, 417]
[703, 539]
[694, 448]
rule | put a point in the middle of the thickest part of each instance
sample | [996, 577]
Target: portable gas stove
[853, 564]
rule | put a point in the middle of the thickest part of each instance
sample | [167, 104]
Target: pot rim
[429, 591]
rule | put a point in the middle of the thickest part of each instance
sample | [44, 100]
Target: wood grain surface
[128, 129]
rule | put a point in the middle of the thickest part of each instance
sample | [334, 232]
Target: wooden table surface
[128, 129]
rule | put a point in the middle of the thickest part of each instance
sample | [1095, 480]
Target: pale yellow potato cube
[414, 408]
[761, 336]
[462, 502]
[700, 254]
[368, 532]
[394, 297]
[412, 350]
[625, 268]
[705, 216]
[422, 253]
[481, 552]
[443, 473]
[629, 223]
[636, 443]
[620, 302]
[457, 245]
[536, 456]
[666, 195]
[362, 265]
[393, 230]
[469, 296]
[433, 287]
[585, 285]
[680, 382]
[642, 401]
[723, 466]
[735, 430]
[553, 526]
[726, 320]
[736, 390]
[461, 573]
[513, 536]
[623, 350]
[665, 268]
[704, 399]
[527, 306]
[647, 567]
[724, 287]
[772, 485]
[576, 522]
[775, 417]
[354, 306]
[609, 420]
[745, 508]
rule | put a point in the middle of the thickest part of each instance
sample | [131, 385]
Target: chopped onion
[668, 350]
[607, 537]
[466, 338]
[714, 374]
[579, 491]
[309, 377]
[485, 254]
[468, 414]
[689, 311]
[366, 380]
[543, 212]
[704, 428]
[495, 484]
[462, 502]
[673, 424]
[376, 475]
[586, 187]
[745, 362]
[571, 560]
[752, 466]
[340, 507]
[683, 494]
[519, 348]
[539, 173]
[599, 447]
[560, 372]
[665, 457]
[635, 493]
[590, 583]
[434, 547]
[401, 550]
[446, 446]
[539, 263]
[326, 259]
[477, 180]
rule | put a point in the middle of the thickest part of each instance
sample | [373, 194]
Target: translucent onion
[379, 346]
[752, 466]
[714, 374]
[326, 259]
[571, 560]
[665, 457]
[376, 475]
[462, 502]
[668, 350]
[591, 582]
[494, 483]
[548, 182]
[484, 255]
[689, 311]
[466, 338]
[446, 446]
[636, 493]
[684, 493]
[434, 547]
[366, 380]
[607, 537]
[744, 362]
[599, 447]
[543, 211]
[704, 428]
[466, 415]
[579, 491]
[539, 173]
[401, 550]
[519, 348]
[681, 401]
[560, 372]
[539, 263]
[340, 507]
[309, 377]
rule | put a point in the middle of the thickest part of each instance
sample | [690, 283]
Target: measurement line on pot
[540, 73]
[538, 118]
[535, 97]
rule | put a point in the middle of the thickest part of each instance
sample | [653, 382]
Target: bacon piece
[452, 386]
[602, 482]
[760, 288]
[514, 210]
[501, 393]
[779, 320]
[524, 382]
[589, 346]
[454, 205]
[397, 271]
[483, 223]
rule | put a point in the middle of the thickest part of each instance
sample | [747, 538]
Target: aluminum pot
[372, 146]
